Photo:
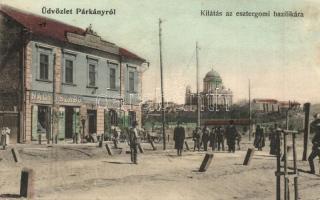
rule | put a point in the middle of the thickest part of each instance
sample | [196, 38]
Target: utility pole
[306, 108]
[162, 97]
[278, 172]
[198, 95]
[250, 117]
[52, 128]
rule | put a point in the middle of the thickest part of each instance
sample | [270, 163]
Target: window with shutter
[112, 78]
[44, 67]
[92, 75]
[69, 71]
[131, 81]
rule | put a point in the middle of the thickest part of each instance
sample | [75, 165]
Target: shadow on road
[270, 156]
[13, 196]
[118, 163]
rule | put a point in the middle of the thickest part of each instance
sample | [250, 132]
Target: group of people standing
[217, 136]
[204, 137]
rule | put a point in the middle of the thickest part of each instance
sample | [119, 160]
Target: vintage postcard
[159, 99]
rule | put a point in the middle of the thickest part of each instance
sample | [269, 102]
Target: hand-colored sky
[281, 56]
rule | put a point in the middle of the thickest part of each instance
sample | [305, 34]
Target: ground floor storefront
[74, 117]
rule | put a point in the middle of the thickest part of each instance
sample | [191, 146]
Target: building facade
[65, 80]
[214, 97]
[273, 105]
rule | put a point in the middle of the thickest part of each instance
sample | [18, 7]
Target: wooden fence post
[206, 162]
[249, 156]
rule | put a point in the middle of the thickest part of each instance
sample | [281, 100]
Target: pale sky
[281, 56]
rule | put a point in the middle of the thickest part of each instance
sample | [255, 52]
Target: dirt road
[86, 172]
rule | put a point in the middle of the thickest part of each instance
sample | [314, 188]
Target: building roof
[265, 100]
[288, 103]
[128, 54]
[213, 76]
[46, 27]
[212, 73]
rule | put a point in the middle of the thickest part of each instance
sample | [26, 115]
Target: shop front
[67, 118]
[69, 122]
[77, 116]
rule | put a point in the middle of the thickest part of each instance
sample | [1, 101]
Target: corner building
[66, 80]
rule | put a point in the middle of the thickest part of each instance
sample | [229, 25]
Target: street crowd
[216, 139]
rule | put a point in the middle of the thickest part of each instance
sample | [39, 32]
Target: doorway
[72, 122]
[68, 122]
[92, 121]
[44, 121]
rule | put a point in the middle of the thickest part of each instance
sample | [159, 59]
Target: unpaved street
[86, 172]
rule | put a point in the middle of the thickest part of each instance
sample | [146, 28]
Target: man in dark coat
[273, 140]
[220, 138]
[231, 134]
[196, 138]
[115, 137]
[259, 138]
[213, 139]
[178, 137]
[205, 137]
[238, 139]
[315, 148]
[134, 142]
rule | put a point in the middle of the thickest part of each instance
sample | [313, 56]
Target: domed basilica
[214, 97]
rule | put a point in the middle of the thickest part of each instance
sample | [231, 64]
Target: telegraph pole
[198, 96]
[52, 128]
[306, 108]
[162, 97]
[250, 117]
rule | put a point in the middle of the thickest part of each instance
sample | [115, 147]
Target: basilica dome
[214, 95]
[213, 77]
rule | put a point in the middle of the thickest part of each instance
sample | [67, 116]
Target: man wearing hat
[259, 138]
[178, 137]
[205, 137]
[220, 138]
[231, 134]
[196, 138]
[133, 137]
[315, 148]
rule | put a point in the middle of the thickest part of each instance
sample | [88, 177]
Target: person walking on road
[315, 149]
[115, 137]
[205, 137]
[231, 134]
[259, 138]
[196, 138]
[273, 140]
[220, 138]
[213, 139]
[134, 142]
[238, 139]
[178, 137]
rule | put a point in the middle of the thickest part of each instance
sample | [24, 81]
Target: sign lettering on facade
[44, 97]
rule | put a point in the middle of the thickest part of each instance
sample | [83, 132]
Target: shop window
[44, 66]
[132, 117]
[43, 119]
[113, 117]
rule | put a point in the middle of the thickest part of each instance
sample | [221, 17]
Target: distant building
[214, 96]
[272, 105]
